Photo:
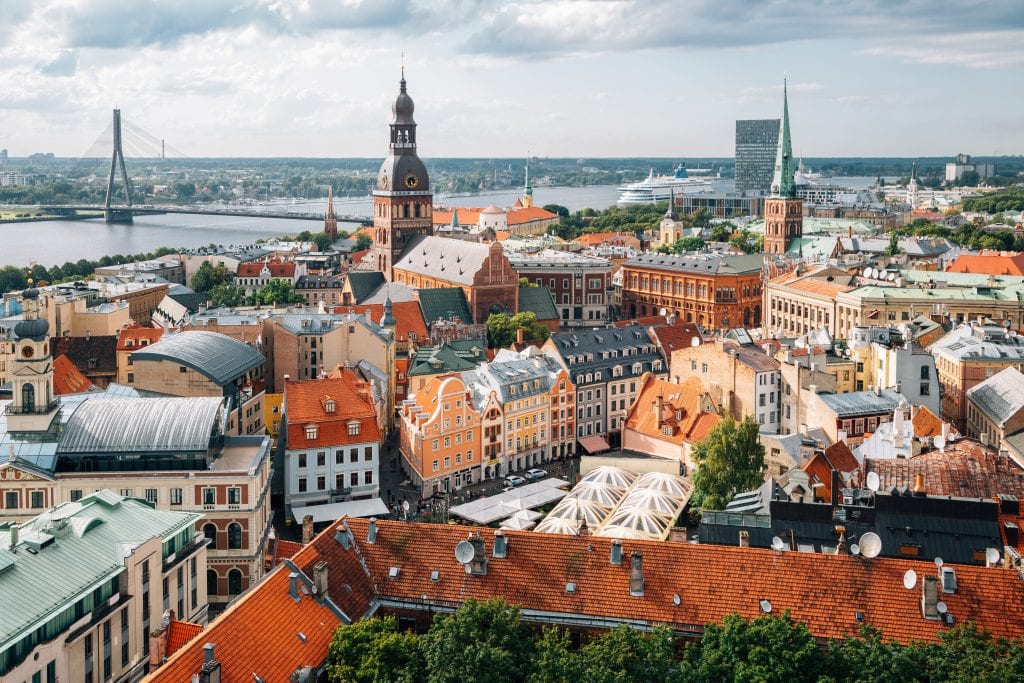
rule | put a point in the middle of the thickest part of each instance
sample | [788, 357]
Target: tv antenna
[870, 544]
[909, 579]
[873, 482]
[464, 552]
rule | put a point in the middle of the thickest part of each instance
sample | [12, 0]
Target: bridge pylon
[118, 214]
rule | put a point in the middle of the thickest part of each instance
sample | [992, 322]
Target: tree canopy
[501, 328]
[730, 460]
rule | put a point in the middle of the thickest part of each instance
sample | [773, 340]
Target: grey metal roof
[100, 529]
[980, 343]
[586, 351]
[152, 425]
[1001, 396]
[444, 258]
[539, 301]
[862, 402]
[704, 263]
[221, 358]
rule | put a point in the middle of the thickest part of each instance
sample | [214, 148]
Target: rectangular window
[124, 637]
[321, 459]
[367, 453]
[175, 496]
[37, 499]
[302, 461]
[151, 496]
[76, 495]
[106, 650]
[368, 477]
[321, 483]
[302, 484]
[88, 658]
[339, 482]
[435, 466]
[339, 457]
[194, 583]
[353, 455]
[353, 478]
[11, 500]
[234, 495]
[209, 496]
[353, 428]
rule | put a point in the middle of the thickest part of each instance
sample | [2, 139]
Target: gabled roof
[990, 262]
[67, 379]
[277, 269]
[926, 423]
[307, 402]
[454, 356]
[408, 317]
[179, 633]
[363, 283]
[221, 358]
[131, 338]
[445, 303]
[678, 336]
[442, 258]
[91, 355]
[857, 403]
[699, 263]
[963, 468]
[1000, 397]
[538, 300]
[682, 418]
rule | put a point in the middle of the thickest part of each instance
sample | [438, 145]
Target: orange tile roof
[816, 286]
[672, 337]
[68, 379]
[926, 423]
[841, 457]
[989, 262]
[131, 338]
[964, 468]
[408, 317]
[276, 268]
[259, 634]
[692, 425]
[471, 215]
[179, 633]
[836, 457]
[306, 403]
[529, 214]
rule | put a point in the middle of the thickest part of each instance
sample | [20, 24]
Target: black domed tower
[402, 200]
[34, 404]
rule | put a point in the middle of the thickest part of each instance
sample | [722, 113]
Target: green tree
[557, 208]
[523, 282]
[323, 242]
[894, 245]
[184, 189]
[768, 649]
[277, 292]
[866, 658]
[967, 653]
[485, 642]
[624, 654]
[554, 660]
[208, 276]
[729, 460]
[502, 329]
[374, 651]
[227, 295]
[721, 232]
[363, 242]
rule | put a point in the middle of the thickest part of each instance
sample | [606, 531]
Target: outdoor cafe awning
[594, 444]
[333, 511]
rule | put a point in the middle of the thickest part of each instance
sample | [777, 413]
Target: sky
[558, 78]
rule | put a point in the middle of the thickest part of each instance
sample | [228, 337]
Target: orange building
[989, 263]
[713, 290]
[667, 419]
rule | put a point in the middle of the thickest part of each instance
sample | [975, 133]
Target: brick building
[579, 284]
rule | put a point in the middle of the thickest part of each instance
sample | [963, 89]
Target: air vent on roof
[570, 588]
[394, 572]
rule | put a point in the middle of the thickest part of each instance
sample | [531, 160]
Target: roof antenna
[403, 65]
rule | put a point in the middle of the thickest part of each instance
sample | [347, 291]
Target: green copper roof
[528, 189]
[782, 183]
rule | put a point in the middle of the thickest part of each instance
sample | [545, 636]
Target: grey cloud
[543, 29]
[64, 64]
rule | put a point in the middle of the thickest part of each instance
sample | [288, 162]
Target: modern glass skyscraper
[756, 143]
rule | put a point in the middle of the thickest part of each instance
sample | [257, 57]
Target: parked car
[514, 480]
[536, 474]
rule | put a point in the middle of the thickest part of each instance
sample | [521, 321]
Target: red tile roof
[408, 317]
[989, 262]
[836, 458]
[841, 457]
[926, 423]
[306, 402]
[131, 338]
[682, 400]
[965, 468]
[67, 379]
[471, 215]
[276, 268]
[672, 337]
[259, 634]
[179, 633]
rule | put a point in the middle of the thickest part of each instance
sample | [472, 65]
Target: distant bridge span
[72, 211]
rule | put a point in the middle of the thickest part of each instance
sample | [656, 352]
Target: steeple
[782, 181]
[527, 187]
[455, 219]
[671, 213]
[34, 403]
[330, 220]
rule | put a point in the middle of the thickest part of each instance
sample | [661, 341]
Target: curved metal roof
[219, 357]
[149, 425]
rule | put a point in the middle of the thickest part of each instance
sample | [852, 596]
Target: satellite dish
[870, 544]
[941, 606]
[695, 342]
[766, 606]
[938, 562]
[873, 481]
[891, 277]
[676, 599]
[405, 505]
[464, 552]
[869, 272]
[663, 312]
[778, 543]
[910, 579]
[854, 549]
[991, 555]
[940, 443]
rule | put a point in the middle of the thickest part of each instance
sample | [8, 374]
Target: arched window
[211, 582]
[210, 531]
[234, 536]
[28, 398]
[234, 582]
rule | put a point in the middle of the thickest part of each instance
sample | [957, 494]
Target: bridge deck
[150, 209]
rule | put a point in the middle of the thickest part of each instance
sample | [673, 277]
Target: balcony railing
[30, 410]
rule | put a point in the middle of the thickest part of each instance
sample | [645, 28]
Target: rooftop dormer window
[329, 406]
[311, 432]
[353, 428]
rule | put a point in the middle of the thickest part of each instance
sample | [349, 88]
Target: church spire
[527, 187]
[671, 213]
[782, 182]
[330, 220]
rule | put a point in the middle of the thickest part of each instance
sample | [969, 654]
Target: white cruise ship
[654, 188]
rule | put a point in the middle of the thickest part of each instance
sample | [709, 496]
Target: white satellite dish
[854, 549]
[940, 443]
[909, 579]
[778, 543]
[869, 272]
[992, 556]
[891, 277]
[695, 342]
[464, 552]
[663, 312]
[405, 505]
[942, 607]
[870, 544]
[676, 599]
[938, 562]
[873, 481]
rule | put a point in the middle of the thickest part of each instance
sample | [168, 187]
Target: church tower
[402, 200]
[331, 220]
[527, 188]
[34, 404]
[912, 189]
[783, 210]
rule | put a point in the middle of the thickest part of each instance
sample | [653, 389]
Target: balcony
[31, 410]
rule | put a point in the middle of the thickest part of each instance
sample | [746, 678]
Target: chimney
[1012, 533]
[835, 487]
[293, 586]
[478, 565]
[371, 531]
[157, 647]
[307, 529]
[616, 552]
[584, 529]
[210, 673]
[500, 544]
[519, 336]
[14, 537]
[744, 538]
[919, 488]
[636, 575]
[320, 578]
[659, 407]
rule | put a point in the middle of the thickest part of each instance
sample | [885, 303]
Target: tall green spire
[528, 189]
[782, 182]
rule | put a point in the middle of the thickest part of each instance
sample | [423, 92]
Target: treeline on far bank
[14, 278]
[487, 642]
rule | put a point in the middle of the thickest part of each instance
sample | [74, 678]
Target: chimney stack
[744, 538]
[500, 544]
[210, 673]
[660, 407]
[371, 531]
[293, 586]
[320, 578]
[14, 537]
[636, 575]
[616, 552]
[919, 488]
[307, 529]
[519, 336]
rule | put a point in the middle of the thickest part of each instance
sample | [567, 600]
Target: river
[57, 242]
